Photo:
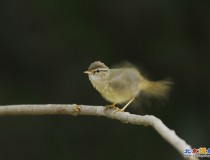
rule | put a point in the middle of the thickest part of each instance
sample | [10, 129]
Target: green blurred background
[47, 44]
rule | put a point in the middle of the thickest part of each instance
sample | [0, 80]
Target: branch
[147, 120]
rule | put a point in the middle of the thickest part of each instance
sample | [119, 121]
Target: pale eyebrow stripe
[101, 69]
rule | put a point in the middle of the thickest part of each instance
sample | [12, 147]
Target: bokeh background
[47, 44]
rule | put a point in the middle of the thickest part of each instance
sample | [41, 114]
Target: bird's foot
[118, 110]
[111, 106]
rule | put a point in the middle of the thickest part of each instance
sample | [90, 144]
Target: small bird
[123, 85]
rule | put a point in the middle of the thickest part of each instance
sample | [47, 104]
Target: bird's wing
[122, 80]
[118, 83]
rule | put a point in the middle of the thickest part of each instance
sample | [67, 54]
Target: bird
[123, 85]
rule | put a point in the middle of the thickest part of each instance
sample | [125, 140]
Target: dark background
[47, 44]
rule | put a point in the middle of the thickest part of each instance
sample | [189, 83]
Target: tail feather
[158, 89]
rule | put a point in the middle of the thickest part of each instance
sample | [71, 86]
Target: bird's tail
[158, 89]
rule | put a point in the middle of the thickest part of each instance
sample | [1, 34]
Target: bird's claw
[112, 106]
[118, 110]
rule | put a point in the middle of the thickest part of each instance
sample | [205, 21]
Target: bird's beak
[87, 72]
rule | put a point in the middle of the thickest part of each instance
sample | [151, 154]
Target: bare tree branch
[147, 120]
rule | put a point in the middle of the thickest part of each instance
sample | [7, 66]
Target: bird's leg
[122, 110]
[111, 106]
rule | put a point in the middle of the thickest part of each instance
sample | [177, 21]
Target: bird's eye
[97, 70]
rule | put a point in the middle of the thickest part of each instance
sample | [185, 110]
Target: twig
[146, 120]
